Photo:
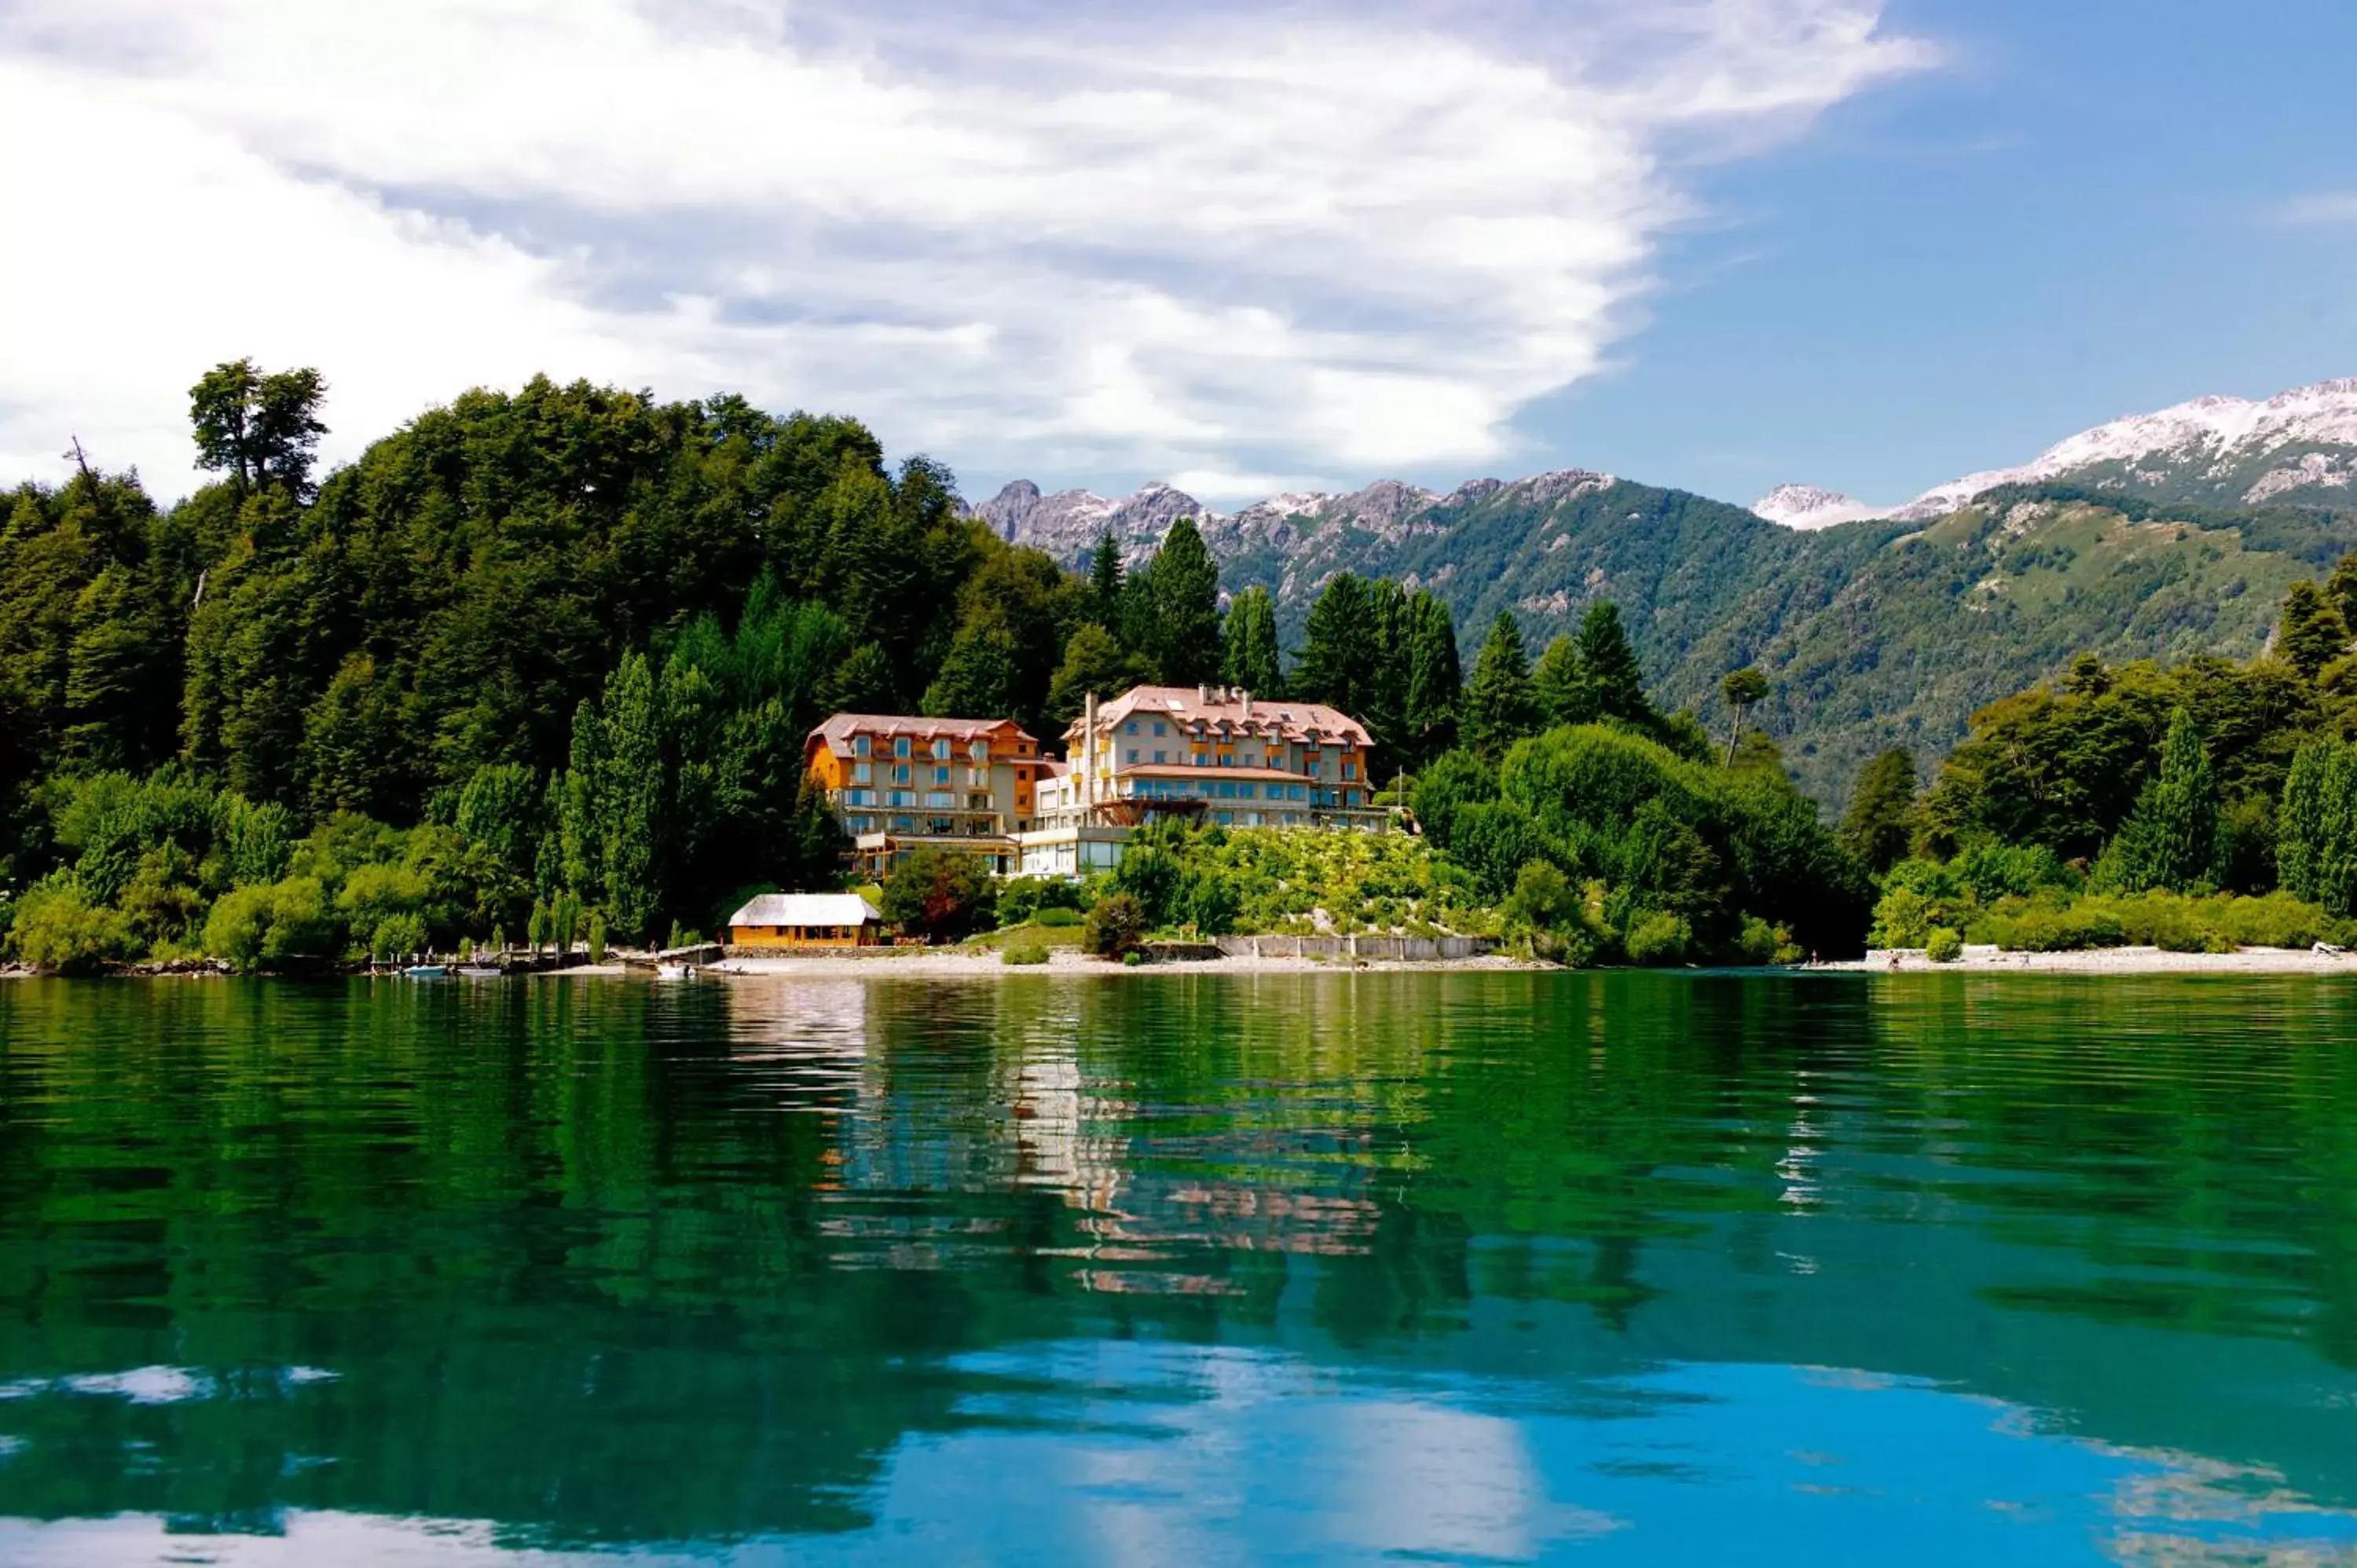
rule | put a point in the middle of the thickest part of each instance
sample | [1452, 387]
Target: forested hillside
[553, 650]
[1872, 634]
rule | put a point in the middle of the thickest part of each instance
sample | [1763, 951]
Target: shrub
[1114, 928]
[2277, 920]
[59, 931]
[1026, 898]
[1659, 941]
[1023, 953]
[2037, 929]
[1058, 920]
[1945, 945]
[268, 927]
[397, 936]
[1904, 919]
[1133, 958]
[1542, 898]
[1758, 943]
[941, 896]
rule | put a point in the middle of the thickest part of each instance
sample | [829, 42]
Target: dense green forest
[1873, 635]
[537, 668]
[2204, 804]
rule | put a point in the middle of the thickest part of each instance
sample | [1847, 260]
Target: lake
[1473, 1267]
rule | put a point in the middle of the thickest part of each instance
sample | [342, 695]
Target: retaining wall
[1374, 950]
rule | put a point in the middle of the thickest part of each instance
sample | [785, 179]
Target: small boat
[675, 972]
[479, 971]
[426, 972]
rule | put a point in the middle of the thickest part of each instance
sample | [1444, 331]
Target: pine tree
[1382, 703]
[1106, 581]
[2316, 847]
[1563, 697]
[1609, 669]
[2170, 840]
[1338, 648]
[1881, 818]
[1179, 595]
[2311, 633]
[1254, 662]
[633, 796]
[1434, 680]
[1501, 706]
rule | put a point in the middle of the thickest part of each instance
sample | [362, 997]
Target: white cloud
[2322, 209]
[1258, 242]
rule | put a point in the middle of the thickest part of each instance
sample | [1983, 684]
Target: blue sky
[2091, 209]
[1869, 244]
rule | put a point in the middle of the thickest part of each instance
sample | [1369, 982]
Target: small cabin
[806, 921]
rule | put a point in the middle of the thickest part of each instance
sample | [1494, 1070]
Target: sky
[1243, 248]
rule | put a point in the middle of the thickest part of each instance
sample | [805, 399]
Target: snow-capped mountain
[1807, 507]
[2298, 447]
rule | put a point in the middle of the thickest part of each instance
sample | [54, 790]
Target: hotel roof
[1239, 712]
[838, 730]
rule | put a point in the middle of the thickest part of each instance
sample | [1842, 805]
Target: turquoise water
[1180, 1269]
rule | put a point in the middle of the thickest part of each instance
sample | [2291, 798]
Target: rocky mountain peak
[1806, 507]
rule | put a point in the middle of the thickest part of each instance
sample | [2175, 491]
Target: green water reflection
[803, 1264]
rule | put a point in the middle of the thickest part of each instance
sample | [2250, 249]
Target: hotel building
[1206, 753]
[898, 784]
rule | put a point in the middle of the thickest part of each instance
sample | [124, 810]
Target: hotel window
[941, 751]
[1161, 728]
[979, 751]
[940, 775]
[1201, 762]
[1133, 756]
[859, 745]
[1349, 770]
[863, 773]
[1161, 756]
[900, 745]
[900, 774]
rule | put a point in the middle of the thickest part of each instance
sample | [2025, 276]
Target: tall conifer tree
[1615, 682]
[1338, 648]
[2170, 840]
[1254, 662]
[1501, 706]
[1434, 680]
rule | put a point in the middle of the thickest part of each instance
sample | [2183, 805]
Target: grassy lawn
[1049, 936]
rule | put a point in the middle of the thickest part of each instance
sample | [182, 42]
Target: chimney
[1204, 695]
[1088, 755]
[1247, 702]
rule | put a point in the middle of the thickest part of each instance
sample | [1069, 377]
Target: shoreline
[954, 963]
[2143, 961]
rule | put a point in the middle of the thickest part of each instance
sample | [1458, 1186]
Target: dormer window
[859, 745]
[900, 745]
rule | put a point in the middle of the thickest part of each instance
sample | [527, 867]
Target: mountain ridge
[2140, 538]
